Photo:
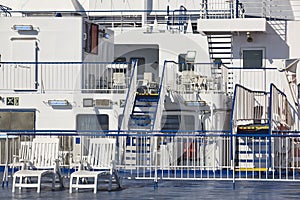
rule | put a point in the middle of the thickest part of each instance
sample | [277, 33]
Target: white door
[21, 75]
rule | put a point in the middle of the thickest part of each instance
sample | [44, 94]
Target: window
[253, 58]
[17, 119]
[140, 66]
[92, 122]
[170, 122]
[91, 42]
[178, 122]
[120, 59]
[183, 65]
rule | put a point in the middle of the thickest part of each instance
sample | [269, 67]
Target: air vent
[103, 103]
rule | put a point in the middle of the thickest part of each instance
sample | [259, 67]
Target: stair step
[146, 106]
[217, 42]
[139, 116]
[229, 53]
[212, 48]
[147, 99]
[141, 111]
[140, 127]
[141, 122]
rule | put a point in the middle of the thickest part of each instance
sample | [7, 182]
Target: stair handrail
[129, 101]
[288, 114]
[161, 98]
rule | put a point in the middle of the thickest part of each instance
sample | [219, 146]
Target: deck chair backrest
[119, 78]
[187, 76]
[101, 154]
[44, 152]
[25, 150]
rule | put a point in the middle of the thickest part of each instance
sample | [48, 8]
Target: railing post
[155, 165]
[36, 83]
[237, 9]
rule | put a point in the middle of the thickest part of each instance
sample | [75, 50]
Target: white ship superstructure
[140, 70]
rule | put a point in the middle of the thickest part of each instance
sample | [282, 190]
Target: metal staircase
[138, 149]
[250, 125]
[252, 151]
[259, 120]
[145, 116]
[144, 109]
[220, 47]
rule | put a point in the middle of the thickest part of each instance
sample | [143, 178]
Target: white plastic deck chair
[24, 154]
[43, 162]
[119, 80]
[100, 163]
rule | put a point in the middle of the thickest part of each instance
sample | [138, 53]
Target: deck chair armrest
[57, 167]
[16, 158]
[83, 164]
[113, 166]
[56, 161]
[25, 163]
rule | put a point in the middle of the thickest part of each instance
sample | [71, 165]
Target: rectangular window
[170, 122]
[183, 65]
[253, 58]
[120, 59]
[178, 122]
[91, 41]
[92, 122]
[17, 120]
[140, 66]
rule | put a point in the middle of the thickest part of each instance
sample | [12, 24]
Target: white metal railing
[201, 155]
[129, 101]
[161, 94]
[194, 78]
[283, 114]
[263, 78]
[217, 9]
[65, 76]
[249, 107]
[259, 107]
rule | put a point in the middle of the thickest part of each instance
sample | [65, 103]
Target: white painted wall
[58, 39]
[276, 49]
[49, 118]
[293, 29]
[170, 45]
[173, 5]
[107, 5]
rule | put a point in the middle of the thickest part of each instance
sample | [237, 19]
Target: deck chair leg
[77, 182]
[60, 179]
[14, 183]
[110, 182]
[117, 177]
[39, 184]
[53, 181]
[71, 184]
[20, 182]
[95, 184]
